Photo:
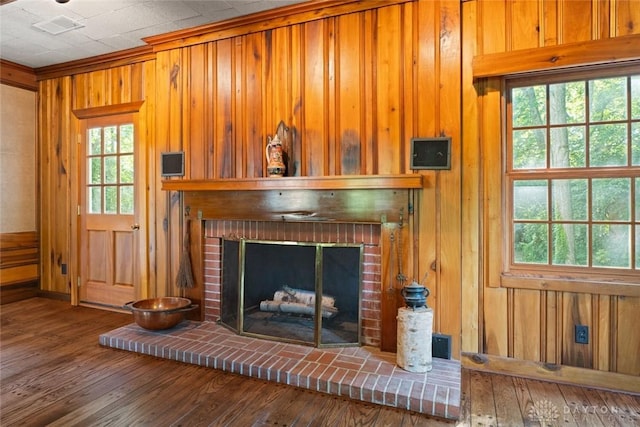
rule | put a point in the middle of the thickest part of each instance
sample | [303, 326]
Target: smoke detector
[58, 25]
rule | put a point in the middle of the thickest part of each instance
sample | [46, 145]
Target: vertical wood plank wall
[529, 324]
[353, 89]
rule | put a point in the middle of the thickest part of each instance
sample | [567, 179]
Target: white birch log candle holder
[414, 339]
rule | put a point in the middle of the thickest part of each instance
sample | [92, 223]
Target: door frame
[142, 255]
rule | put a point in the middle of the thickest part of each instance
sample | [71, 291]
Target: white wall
[17, 160]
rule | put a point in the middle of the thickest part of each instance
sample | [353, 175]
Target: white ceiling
[107, 25]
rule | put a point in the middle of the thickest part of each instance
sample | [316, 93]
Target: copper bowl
[160, 313]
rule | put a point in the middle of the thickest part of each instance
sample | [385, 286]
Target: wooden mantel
[346, 198]
[340, 182]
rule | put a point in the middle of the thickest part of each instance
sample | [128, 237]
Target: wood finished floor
[53, 372]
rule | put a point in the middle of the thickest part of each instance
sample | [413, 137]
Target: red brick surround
[316, 232]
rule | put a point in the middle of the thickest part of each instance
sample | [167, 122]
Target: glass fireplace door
[307, 293]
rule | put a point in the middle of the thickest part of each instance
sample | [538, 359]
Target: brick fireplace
[363, 210]
[307, 232]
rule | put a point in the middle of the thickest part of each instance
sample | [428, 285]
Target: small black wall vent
[172, 163]
[431, 153]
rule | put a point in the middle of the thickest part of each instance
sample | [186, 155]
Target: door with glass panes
[108, 227]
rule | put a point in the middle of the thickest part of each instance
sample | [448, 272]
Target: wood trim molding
[596, 52]
[575, 284]
[108, 110]
[17, 75]
[550, 372]
[336, 182]
[19, 257]
[262, 21]
[110, 60]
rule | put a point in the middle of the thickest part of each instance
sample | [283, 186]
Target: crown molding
[109, 60]
[17, 75]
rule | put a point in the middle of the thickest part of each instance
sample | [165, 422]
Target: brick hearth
[360, 373]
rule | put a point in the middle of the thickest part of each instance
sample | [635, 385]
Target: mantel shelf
[340, 182]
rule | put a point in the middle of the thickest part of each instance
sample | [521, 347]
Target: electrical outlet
[582, 334]
[63, 269]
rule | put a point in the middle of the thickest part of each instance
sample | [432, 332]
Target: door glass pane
[95, 141]
[110, 170]
[126, 199]
[95, 170]
[110, 200]
[95, 199]
[126, 169]
[110, 174]
[110, 139]
[126, 138]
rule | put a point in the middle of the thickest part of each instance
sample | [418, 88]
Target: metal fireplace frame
[239, 328]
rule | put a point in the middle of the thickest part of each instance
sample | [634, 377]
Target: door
[109, 231]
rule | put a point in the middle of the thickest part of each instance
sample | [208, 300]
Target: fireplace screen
[307, 293]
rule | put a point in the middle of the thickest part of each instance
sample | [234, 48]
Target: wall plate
[172, 163]
[431, 153]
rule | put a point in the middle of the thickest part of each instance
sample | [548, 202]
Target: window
[110, 170]
[573, 173]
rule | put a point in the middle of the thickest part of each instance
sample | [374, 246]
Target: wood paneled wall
[533, 325]
[353, 88]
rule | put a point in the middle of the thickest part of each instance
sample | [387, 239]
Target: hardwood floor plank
[332, 414]
[483, 410]
[548, 404]
[222, 407]
[465, 395]
[360, 415]
[147, 404]
[265, 408]
[620, 407]
[54, 372]
[506, 399]
[184, 395]
[580, 406]
[286, 409]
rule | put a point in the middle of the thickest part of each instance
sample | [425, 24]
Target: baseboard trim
[550, 372]
[55, 295]
[18, 292]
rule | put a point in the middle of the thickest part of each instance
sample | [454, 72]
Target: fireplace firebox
[301, 292]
